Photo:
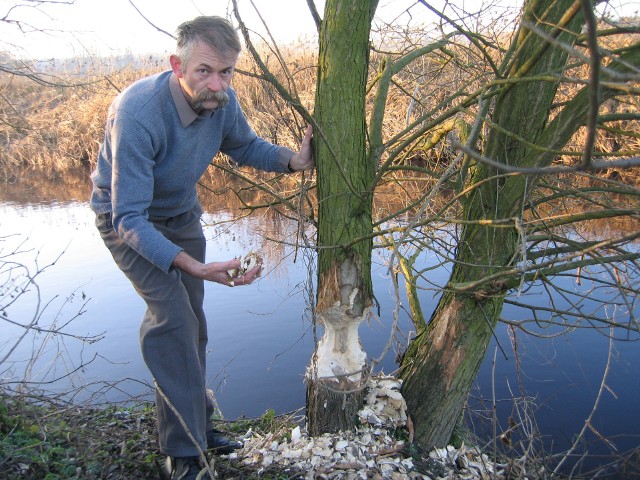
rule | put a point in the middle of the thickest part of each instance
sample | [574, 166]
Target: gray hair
[216, 32]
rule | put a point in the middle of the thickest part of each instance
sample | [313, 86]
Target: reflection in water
[261, 336]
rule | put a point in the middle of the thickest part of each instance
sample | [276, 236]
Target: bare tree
[508, 136]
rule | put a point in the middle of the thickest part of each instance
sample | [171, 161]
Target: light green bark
[344, 214]
[441, 364]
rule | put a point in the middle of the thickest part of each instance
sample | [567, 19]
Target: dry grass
[53, 130]
[61, 125]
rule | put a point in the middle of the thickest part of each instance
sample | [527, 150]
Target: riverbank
[45, 439]
[49, 440]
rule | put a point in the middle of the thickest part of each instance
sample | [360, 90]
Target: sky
[77, 28]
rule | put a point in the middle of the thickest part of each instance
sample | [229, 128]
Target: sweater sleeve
[242, 144]
[132, 187]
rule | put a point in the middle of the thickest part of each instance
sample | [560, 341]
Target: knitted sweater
[155, 150]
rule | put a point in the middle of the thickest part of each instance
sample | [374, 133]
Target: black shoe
[182, 468]
[220, 444]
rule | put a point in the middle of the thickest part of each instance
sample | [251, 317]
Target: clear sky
[68, 28]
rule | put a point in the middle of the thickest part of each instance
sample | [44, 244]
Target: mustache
[221, 97]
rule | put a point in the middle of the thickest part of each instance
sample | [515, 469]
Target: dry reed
[60, 125]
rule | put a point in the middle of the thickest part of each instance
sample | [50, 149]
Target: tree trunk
[338, 367]
[442, 362]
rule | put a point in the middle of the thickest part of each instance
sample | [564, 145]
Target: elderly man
[161, 134]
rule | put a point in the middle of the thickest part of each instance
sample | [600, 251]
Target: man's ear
[176, 65]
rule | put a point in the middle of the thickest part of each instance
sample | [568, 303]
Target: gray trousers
[173, 334]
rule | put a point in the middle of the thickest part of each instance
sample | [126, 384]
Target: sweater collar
[185, 112]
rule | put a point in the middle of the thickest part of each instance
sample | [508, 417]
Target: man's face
[205, 77]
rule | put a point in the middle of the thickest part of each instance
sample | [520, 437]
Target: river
[261, 336]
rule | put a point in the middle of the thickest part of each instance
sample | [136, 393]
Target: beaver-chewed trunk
[337, 373]
[338, 370]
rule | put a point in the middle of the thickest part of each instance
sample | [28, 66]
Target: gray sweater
[155, 150]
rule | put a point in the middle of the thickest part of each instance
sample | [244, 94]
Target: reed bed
[59, 123]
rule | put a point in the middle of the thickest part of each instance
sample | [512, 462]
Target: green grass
[45, 441]
[41, 439]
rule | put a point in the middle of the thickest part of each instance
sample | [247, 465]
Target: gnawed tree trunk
[338, 367]
[441, 364]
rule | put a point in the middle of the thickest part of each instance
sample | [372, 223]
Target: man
[161, 134]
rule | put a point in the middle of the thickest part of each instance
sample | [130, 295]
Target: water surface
[261, 336]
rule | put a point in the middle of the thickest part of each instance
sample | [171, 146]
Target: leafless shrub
[33, 352]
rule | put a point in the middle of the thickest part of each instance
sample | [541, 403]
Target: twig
[588, 422]
[149, 21]
[202, 456]
[594, 81]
